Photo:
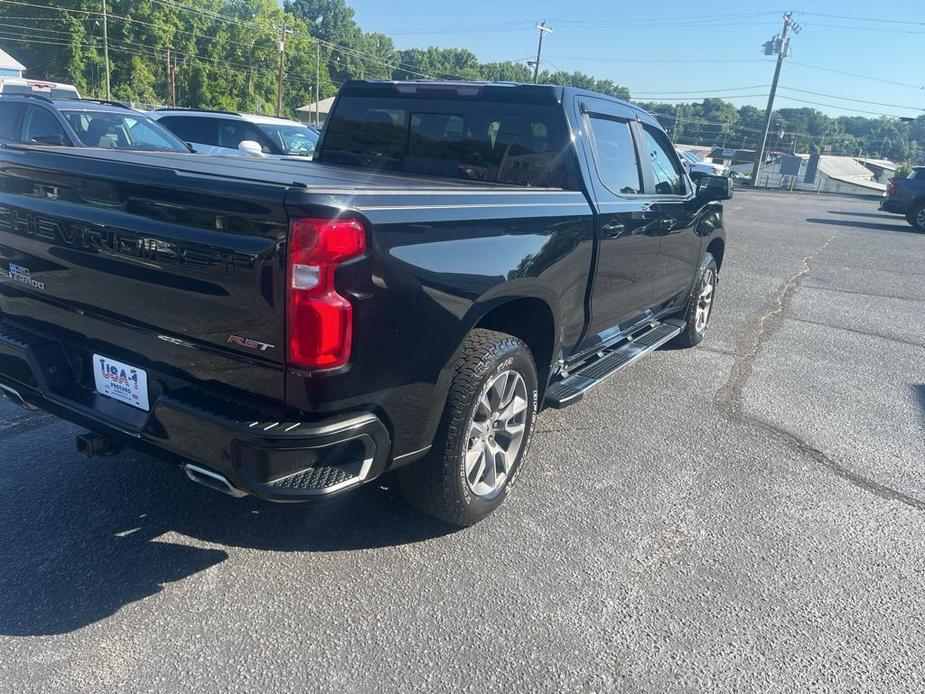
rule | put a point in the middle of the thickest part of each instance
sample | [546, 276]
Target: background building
[10, 67]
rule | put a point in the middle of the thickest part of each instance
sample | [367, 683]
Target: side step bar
[572, 388]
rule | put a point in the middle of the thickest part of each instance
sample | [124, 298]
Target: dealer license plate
[121, 382]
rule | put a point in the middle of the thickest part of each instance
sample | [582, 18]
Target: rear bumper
[890, 205]
[270, 453]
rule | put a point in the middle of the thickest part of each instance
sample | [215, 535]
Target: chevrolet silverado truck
[906, 196]
[458, 257]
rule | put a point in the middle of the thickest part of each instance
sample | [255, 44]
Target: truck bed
[175, 264]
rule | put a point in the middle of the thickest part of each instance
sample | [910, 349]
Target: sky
[688, 50]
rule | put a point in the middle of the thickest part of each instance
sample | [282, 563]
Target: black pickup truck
[906, 196]
[458, 257]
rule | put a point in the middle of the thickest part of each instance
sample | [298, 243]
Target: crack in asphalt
[756, 334]
[729, 398]
[855, 478]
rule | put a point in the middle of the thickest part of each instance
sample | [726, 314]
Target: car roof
[74, 104]
[542, 93]
[96, 106]
[230, 115]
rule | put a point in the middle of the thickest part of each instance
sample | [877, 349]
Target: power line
[659, 60]
[854, 28]
[835, 106]
[859, 101]
[861, 19]
[49, 7]
[855, 74]
[705, 91]
[687, 99]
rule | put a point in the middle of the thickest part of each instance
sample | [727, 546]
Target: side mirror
[251, 148]
[713, 188]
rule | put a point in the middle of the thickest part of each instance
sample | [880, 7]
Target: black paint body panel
[157, 259]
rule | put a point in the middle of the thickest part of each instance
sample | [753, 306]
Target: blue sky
[603, 38]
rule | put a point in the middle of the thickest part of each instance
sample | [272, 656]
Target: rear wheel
[484, 433]
[917, 217]
[700, 308]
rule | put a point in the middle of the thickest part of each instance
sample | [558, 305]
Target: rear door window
[10, 112]
[201, 130]
[40, 127]
[232, 133]
[615, 155]
[497, 142]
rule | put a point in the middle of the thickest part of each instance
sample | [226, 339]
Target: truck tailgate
[176, 274]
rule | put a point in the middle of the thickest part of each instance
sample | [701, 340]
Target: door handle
[668, 224]
[613, 230]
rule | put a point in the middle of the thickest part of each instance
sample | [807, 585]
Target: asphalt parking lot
[747, 516]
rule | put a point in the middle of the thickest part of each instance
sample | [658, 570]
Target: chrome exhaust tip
[212, 480]
[13, 395]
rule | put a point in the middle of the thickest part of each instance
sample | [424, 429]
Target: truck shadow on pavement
[854, 224]
[876, 215]
[919, 391]
[77, 550]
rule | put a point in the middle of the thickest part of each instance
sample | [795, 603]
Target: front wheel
[700, 307]
[917, 217]
[484, 433]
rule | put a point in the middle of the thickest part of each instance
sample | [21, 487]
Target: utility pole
[317, 82]
[171, 79]
[106, 50]
[281, 44]
[539, 49]
[781, 46]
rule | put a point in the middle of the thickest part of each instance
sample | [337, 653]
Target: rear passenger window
[668, 177]
[40, 127]
[203, 131]
[233, 133]
[9, 120]
[615, 154]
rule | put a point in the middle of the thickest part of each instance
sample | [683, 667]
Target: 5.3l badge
[21, 274]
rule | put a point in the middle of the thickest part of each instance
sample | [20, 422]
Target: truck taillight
[319, 320]
[891, 188]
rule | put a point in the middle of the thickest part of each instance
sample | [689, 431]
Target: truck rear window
[521, 144]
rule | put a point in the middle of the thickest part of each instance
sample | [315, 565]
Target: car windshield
[294, 140]
[132, 131]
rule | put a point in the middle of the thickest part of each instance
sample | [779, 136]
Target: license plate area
[120, 381]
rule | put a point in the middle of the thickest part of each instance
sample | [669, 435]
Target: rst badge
[21, 274]
[249, 343]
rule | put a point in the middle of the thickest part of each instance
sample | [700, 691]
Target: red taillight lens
[891, 188]
[320, 321]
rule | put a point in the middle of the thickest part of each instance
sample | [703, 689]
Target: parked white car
[239, 134]
[697, 165]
